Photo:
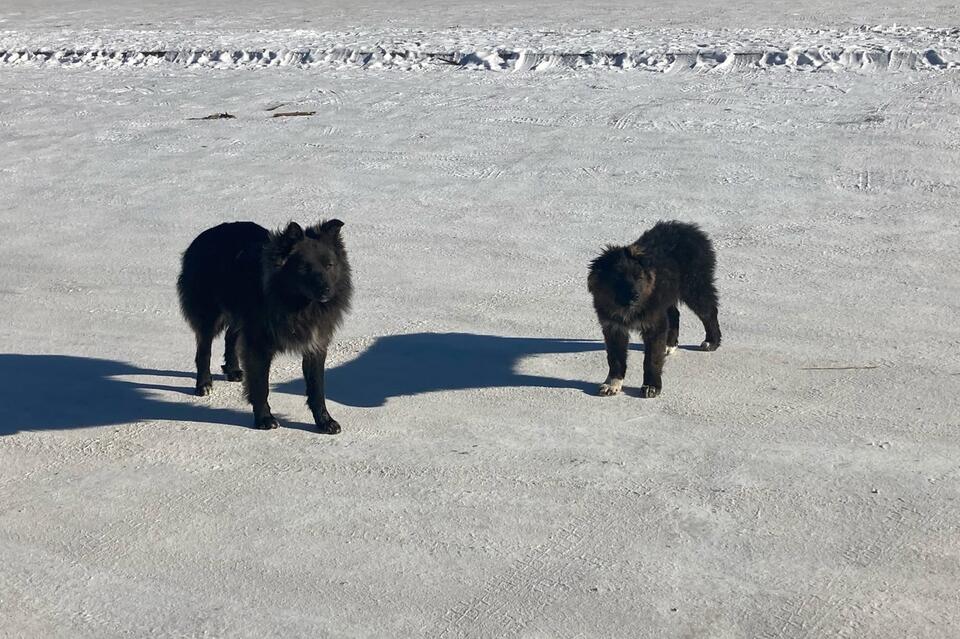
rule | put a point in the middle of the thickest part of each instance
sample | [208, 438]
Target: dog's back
[683, 244]
[687, 251]
[221, 272]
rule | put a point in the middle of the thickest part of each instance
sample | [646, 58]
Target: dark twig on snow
[293, 114]
[840, 368]
[216, 116]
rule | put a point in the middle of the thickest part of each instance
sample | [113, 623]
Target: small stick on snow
[840, 368]
[216, 116]
[293, 114]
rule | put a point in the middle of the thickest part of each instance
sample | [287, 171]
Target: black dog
[638, 287]
[274, 292]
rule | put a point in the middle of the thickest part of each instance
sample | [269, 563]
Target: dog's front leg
[313, 368]
[256, 363]
[654, 354]
[617, 339]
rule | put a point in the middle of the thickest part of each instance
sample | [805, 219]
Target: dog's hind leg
[711, 325]
[313, 370]
[654, 354]
[205, 333]
[617, 340]
[673, 328]
[703, 301]
[231, 364]
[256, 363]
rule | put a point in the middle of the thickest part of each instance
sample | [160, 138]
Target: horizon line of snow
[702, 59]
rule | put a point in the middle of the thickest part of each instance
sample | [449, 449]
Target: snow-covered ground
[802, 481]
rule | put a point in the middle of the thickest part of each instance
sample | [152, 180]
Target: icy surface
[802, 481]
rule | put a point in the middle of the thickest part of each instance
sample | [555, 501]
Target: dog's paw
[204, 388]
[329, 427]
[611, 387]
[709, 346]
[267, 423]
[649, 392]
[671, 349]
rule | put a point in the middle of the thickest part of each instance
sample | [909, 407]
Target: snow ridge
[706, 59]
[867, 48]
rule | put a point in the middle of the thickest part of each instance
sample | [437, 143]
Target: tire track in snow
[815, 614]
[508, 602]
[505, 603]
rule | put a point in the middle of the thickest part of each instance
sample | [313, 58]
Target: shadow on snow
[416, 363]
[63, 391]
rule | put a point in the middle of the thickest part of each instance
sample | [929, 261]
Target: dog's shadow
[54, 392]
[417, 363]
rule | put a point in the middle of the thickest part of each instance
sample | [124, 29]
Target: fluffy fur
[272, 292]
[637, 287]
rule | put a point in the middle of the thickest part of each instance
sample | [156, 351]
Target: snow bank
[861, 49]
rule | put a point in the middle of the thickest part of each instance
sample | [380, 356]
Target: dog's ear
[331, 226]
[289, 237]
[293, 232]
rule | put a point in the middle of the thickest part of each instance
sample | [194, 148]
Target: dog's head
[307, 265]
[620, 280]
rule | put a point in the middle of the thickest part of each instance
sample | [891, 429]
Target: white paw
[611, 387]
[671, 349]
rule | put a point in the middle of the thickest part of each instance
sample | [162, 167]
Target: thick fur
[637, 287]
[273, 292]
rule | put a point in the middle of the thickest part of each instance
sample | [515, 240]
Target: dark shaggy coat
[637, 287]
[272, 292]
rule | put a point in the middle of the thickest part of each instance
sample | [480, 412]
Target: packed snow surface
[802, 481]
